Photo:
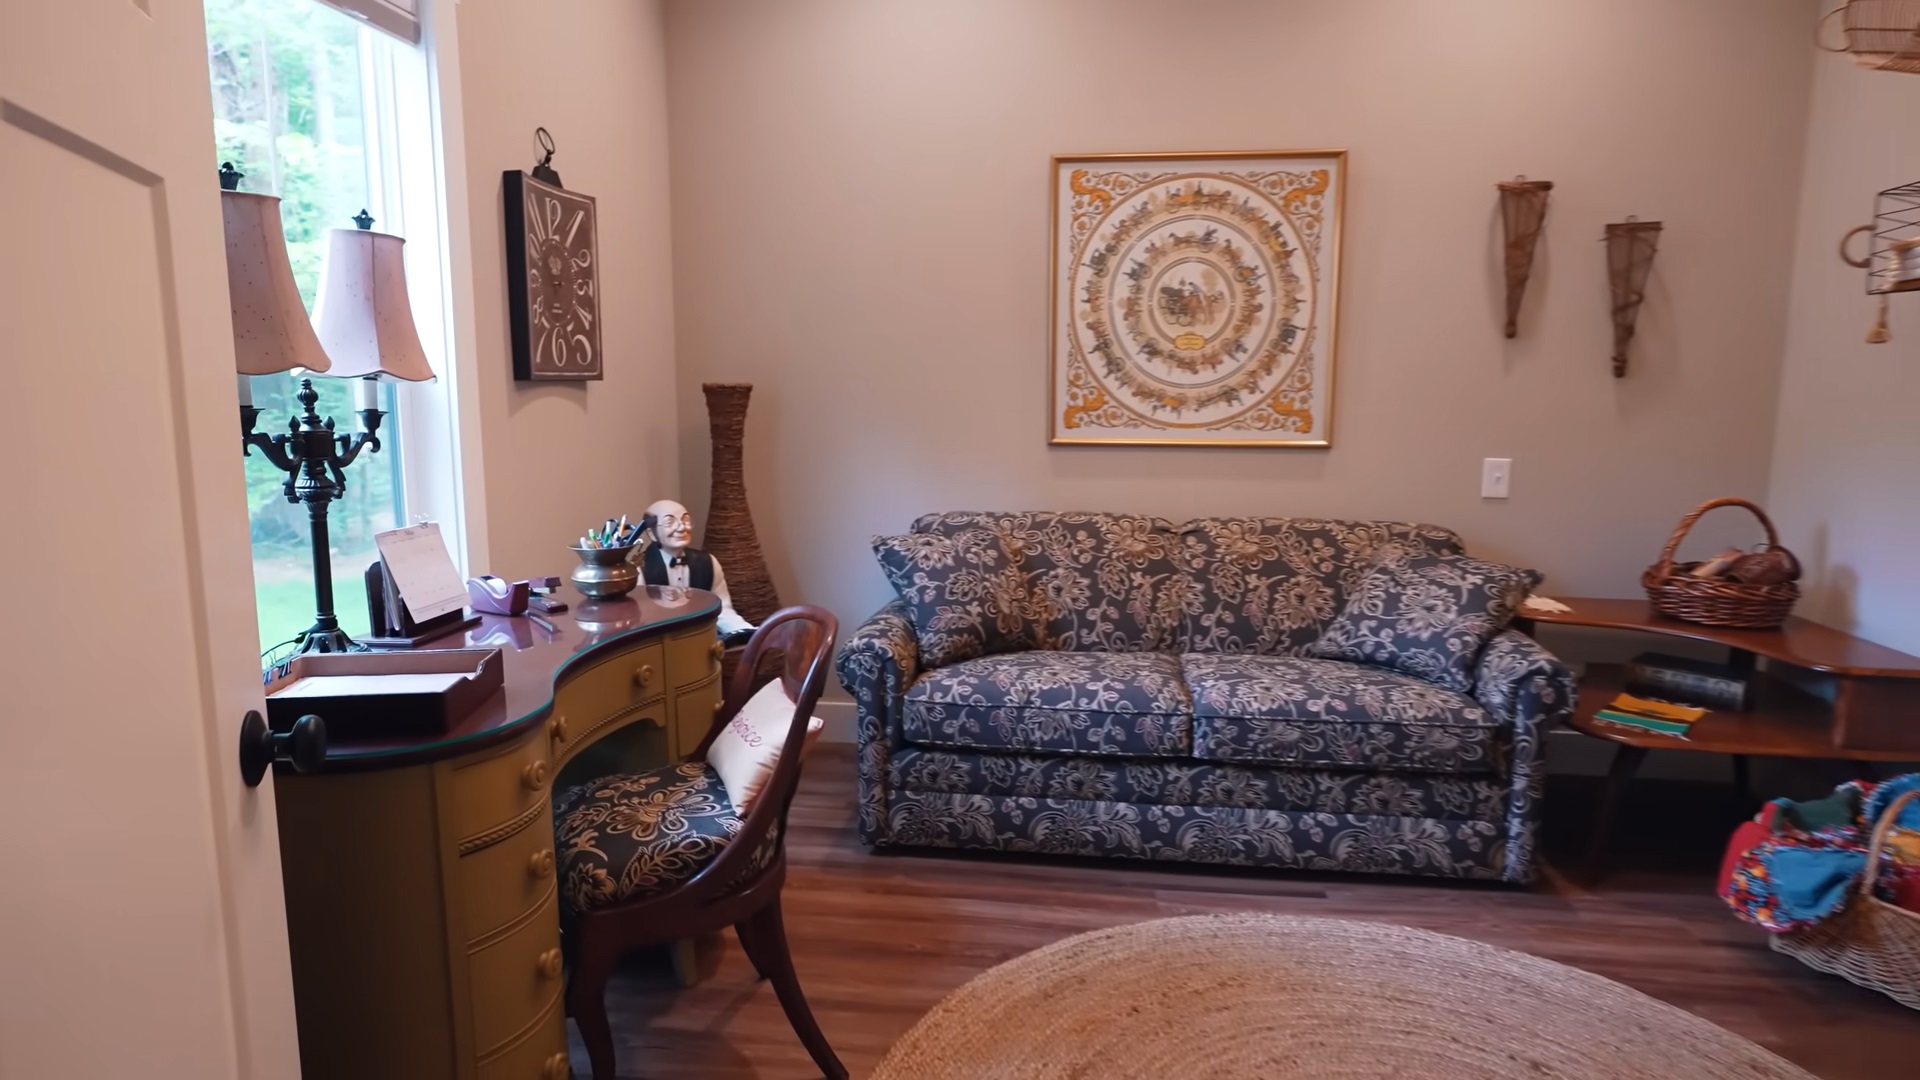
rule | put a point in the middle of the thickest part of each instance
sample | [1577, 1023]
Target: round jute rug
[1267, 996]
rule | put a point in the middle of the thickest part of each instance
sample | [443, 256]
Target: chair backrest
[804, 637]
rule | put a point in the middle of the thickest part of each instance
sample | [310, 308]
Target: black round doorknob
[304, 746]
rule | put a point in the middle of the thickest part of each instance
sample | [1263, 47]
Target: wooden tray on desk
[361, 715]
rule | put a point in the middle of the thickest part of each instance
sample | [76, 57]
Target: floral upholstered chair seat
[1117, 704]
[632, 835]
[1284, 710]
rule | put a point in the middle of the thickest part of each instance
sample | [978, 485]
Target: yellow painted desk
[421, 908]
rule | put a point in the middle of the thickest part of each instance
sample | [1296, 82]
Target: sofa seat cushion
[1273, 710]
[1171, 782]
[1116, 704]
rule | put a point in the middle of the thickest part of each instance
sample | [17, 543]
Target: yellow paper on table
[1664, 710]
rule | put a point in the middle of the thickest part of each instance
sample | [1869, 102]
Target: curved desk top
[536, 658]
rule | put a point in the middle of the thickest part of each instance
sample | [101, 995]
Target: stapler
[546, 596]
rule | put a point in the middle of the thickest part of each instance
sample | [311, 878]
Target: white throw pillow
[747, 749]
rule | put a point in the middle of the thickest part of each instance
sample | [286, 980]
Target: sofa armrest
[1530, 690]
[876, 665]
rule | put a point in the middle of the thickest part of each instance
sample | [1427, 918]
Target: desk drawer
[693, 656]
[503, 881]
[693, 711]
[541, 1055]
[488, 799]
[609, 692]
[515, 979]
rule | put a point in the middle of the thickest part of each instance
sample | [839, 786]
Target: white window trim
[457, 494]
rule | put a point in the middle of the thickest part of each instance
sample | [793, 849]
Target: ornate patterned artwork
[553, 280]
[1194, 297]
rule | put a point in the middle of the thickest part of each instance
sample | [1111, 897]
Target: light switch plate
[1496, 477]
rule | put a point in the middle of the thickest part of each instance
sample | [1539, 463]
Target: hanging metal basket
[1880, 34]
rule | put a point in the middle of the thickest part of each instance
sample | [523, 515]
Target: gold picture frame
[1194, 298]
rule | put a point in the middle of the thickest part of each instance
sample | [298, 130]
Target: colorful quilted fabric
[1426, 615]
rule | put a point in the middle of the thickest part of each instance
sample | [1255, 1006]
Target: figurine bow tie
[678, 560]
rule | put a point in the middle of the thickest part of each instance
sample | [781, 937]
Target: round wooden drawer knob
[549, 964]
[719, 651]
[558, 729]
[534, 776]
[556, 1068]
[541, 865]
[643, 675]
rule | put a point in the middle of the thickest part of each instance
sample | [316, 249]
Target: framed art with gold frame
[1195, 297]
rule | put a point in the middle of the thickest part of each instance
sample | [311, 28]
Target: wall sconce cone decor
[730, 536]
[1630, 250]
[368, 327]
[1523, 210]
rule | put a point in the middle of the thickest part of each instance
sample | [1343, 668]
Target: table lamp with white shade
[365, 330]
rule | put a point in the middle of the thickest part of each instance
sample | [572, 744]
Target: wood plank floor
[878, 939]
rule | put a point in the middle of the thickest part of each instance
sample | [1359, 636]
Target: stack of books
[1648, 714]
[1717, 686]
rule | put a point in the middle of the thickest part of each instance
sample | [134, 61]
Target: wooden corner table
[1824, 694]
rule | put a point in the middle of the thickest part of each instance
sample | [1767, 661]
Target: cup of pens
[606, 570]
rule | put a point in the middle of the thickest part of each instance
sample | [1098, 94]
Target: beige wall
[1846, 465]
[558, 457]
[860, 224]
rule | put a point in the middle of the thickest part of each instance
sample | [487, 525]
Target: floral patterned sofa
[1140, 689]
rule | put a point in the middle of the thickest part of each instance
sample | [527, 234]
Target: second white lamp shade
[362, 315]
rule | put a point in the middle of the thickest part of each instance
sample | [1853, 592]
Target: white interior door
[142, 929]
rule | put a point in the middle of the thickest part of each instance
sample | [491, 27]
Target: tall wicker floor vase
[729, 535]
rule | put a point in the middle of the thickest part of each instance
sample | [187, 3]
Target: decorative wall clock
[1194, 297]
[553, 278]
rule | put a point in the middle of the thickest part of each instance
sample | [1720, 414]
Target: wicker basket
[1716, 601]
[1869, 942]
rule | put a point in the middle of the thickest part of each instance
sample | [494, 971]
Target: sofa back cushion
[1094, 582]
[968, 598]
[1428, 615]
[1126, 583]
[1270, 586]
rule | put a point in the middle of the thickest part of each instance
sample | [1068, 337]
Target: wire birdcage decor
[1892, 261]
[1880, 34]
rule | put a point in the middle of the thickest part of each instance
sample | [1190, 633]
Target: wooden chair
[740, 887]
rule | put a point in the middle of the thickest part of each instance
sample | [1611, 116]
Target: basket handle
[1880, 833]
[1680, 531]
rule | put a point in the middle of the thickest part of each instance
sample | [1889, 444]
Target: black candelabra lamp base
[314, 459]
[319, 639]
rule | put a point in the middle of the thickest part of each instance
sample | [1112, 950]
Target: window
[319, 108]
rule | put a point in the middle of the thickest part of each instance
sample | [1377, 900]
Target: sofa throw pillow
[745, 752]
[967, 595]
[1428, 615]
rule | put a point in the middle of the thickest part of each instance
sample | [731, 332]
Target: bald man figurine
[672, 560]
